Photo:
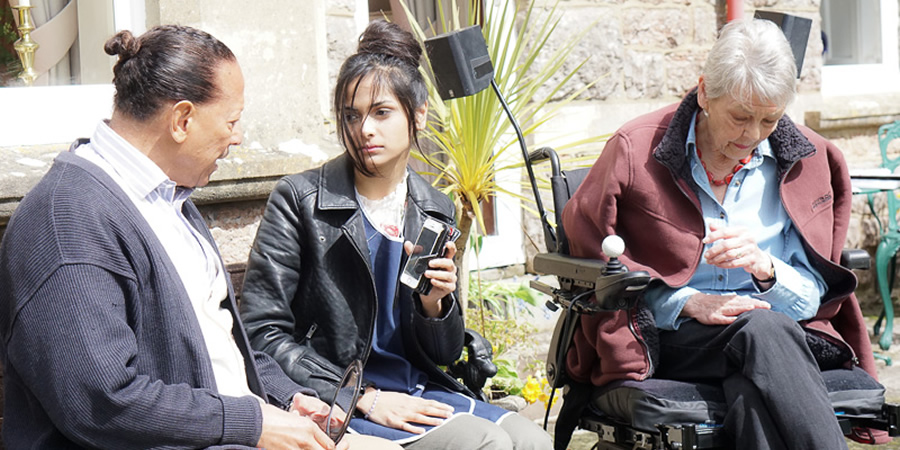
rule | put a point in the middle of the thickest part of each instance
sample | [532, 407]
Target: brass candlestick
[26, 46]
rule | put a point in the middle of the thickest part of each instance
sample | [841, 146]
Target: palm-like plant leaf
[472, 134]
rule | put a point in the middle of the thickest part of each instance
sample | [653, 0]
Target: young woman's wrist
[365, 401]
[432, 308]
[429, 308]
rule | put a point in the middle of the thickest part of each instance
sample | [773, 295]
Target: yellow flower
[532, 390]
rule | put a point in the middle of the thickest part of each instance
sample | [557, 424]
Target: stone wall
[635, 50]
[642, 54]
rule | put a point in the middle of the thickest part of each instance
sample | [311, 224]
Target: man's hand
[442, 273]
[317, 411]
[401, 411]
[289, 430]
[720, 309]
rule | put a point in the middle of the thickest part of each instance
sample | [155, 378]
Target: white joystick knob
[613, 246]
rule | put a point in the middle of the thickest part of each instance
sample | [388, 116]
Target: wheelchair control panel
[609, 284]
[586, 287]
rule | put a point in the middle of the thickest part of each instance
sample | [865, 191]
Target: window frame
[45, 115]
[859, 79]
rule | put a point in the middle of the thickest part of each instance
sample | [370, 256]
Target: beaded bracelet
[372, 408]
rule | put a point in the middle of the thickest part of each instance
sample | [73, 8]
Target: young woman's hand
[442, 273]
[401, 411]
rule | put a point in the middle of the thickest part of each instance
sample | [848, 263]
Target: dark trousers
[775, 393]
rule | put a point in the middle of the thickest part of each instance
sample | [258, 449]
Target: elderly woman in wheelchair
[739, 216]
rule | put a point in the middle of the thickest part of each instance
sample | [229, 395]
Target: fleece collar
[788, 144]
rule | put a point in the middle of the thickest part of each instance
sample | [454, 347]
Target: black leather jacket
[309, 296]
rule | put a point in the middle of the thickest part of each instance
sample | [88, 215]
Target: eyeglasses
[344, 401]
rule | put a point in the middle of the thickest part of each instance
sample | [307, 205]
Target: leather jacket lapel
[420, 194]
[337, 193]
[336, 189]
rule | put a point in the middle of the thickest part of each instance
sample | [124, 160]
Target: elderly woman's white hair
[751, 58]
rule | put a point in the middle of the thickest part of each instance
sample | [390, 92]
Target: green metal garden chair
[889, 242]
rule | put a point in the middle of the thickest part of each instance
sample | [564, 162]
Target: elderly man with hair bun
[740, 216]
[118, 321]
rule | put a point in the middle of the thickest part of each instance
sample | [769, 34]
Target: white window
[73, 90]
[860, 38]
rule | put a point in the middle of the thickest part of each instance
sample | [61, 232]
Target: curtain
[56, 29]
[425, 12]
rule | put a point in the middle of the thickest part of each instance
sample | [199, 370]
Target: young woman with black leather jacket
[322, 287]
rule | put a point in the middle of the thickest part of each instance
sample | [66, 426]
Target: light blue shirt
[752, 200]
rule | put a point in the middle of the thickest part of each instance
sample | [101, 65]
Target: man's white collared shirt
[199, 267]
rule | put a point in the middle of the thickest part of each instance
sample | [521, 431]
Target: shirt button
[737, 184]
[721, 215]
[721, 277]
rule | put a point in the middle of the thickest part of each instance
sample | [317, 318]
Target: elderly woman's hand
[735, 247]
[710, 309]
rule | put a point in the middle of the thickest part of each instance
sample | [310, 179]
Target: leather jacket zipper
[371, 331]
[312, 330]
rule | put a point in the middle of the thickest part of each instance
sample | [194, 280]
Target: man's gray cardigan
[100, 343]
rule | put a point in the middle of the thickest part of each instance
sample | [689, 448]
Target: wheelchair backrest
[564, 184]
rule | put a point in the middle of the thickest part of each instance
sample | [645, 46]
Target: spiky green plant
[473, 134]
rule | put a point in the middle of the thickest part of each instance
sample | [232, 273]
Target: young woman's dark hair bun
[389, 57]
[386, 38]
[123, 44]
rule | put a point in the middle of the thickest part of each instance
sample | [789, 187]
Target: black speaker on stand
[795, 29]
[460, 62]
[462, 66]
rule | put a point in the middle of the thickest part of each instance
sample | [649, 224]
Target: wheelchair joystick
[611, 284]
[613, 246]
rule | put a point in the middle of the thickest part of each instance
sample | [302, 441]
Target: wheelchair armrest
[572, 272]
[478, 366]
[855, 258]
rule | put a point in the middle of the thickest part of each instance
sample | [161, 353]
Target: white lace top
[386, 214]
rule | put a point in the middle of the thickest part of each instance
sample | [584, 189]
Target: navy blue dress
[387, 365]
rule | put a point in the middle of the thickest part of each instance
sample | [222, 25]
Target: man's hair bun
[123, 44]
[165, 63]
[386, 38]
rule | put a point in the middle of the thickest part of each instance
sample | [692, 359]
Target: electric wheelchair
[655, 414]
